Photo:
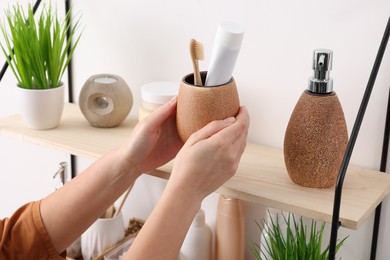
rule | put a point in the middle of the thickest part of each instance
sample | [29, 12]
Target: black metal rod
[5, 66]
[352, 141]
[378, 210]
[72, 166]
[375, 231]
[70, 68]
[385, 146]
[70, 81]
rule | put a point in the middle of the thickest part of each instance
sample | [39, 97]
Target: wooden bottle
[230, 229]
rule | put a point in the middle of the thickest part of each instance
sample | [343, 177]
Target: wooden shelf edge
[261, 176]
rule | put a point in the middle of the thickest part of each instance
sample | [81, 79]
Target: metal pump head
[62, 172]
[321, 83]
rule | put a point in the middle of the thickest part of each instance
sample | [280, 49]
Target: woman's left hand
[155, 140]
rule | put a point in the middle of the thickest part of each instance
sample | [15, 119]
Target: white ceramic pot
[41, 108]
[104, 233]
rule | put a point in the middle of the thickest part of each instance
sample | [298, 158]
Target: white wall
[144, 41]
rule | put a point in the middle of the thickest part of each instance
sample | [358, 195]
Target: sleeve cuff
[42, 233]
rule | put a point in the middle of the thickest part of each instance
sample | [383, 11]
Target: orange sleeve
[24, 236]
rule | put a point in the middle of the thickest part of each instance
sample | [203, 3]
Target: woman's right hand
[211, 156]
[208, 159]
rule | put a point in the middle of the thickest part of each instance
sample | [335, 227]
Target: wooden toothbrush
[196, 50]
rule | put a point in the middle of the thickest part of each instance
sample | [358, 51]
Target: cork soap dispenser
[316, 135]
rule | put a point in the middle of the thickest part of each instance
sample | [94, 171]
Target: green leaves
[40, 56]
[293, 243]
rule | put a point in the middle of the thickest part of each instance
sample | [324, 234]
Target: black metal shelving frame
[351, 143]
[378, 210]
[68, 5]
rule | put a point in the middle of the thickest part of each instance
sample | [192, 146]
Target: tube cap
[230, 35]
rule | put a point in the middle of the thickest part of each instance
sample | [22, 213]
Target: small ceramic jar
[155, 94]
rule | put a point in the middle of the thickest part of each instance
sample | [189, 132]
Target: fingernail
[172, 99]
[230, 120]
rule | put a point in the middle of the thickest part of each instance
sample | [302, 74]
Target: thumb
[162, 113]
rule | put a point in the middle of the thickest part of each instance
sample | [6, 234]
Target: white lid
[230, 35]
[159, 92]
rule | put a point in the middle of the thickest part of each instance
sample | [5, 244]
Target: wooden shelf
[261, 177]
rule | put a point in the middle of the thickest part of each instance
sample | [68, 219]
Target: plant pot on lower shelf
[41, 109]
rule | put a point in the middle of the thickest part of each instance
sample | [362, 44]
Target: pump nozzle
[62, 172]
[322, 65]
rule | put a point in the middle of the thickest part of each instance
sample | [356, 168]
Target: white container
[197, 244]
[155, 94]
[101, 235]
[275, 216]
[119, 252]
[41, 109]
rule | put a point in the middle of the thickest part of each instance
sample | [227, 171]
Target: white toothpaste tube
[225, 51]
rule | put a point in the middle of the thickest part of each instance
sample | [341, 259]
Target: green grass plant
[37, 49]
[294, 243]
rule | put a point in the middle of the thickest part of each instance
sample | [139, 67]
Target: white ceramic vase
[101, 235]
[41, 109]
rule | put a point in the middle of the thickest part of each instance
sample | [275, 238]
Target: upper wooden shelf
[261, 176]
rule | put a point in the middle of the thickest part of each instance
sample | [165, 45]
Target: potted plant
[38, 51]
[285, 238]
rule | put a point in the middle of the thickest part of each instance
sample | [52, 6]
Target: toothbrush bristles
[198, 46]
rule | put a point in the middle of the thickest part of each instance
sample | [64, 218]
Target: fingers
[230, 130]
[211, 155]
[162, 113]
[210, 129]
[237, 131]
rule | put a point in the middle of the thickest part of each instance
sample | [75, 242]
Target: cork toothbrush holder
[198, 106]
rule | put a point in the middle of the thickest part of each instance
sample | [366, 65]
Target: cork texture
[315, 141]
[198, 106]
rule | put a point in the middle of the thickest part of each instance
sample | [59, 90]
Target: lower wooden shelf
[261, 177]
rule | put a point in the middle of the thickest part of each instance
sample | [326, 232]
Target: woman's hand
[155, 140]
[208, 159]
[211, 155]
